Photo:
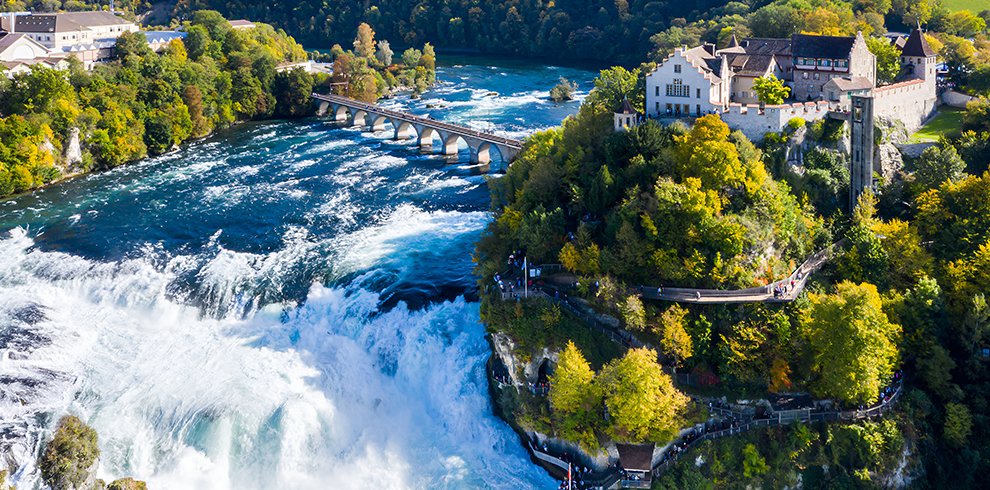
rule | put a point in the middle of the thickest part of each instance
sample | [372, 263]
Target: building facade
[65, 30]
[823, 72]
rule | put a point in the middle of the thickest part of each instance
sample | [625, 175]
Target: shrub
[70, 454]
[796, 123]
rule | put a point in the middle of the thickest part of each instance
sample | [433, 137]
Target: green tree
[642, 402]
[293, 90]
[958, 424]
[753, 463]
[888, 59]
[571, 382]
[70, 455]
[132, 44]
[411, 57]
[633, 313]
[674, 339]
[771, 90]
[938, 164]
[853, 343]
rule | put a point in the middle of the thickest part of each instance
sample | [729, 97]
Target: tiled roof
[917, 45]
[847, 84]
[62, 22]
[750, 64]
[831, 47]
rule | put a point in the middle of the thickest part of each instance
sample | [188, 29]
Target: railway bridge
[423, 129]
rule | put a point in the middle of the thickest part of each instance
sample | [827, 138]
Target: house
[58, 31]
[636, 461]
[241, 24]
[19, 47]
[818, 59]
[692, 81]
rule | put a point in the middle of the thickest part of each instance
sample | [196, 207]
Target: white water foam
[330, 394]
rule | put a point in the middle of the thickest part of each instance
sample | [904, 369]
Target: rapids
[286, 304]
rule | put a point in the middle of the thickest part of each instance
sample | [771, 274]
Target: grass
[975, 6]
[947, 122]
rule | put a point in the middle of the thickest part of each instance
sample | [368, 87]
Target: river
[286, 304]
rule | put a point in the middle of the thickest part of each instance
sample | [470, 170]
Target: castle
[823, 73]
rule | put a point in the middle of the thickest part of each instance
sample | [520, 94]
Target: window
[804, 75]
[658, 91]
[698, 96]
[678, 89]
[677, 68]
[817, 76]
[842, 63]
[745, 95]
[658, 104]
[697, 109]
[824, 62]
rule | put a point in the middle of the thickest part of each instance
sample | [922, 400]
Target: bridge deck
[420, 120]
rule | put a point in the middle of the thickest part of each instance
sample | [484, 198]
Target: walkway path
[781, 291]
[729, 422]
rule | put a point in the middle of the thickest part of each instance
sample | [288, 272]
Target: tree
[429, 58]
[633, 313]
[938, 164]
[771, 90]
[888, 59]
[753, 463]
[674, 339]
[197, 42]
[384, 53]
[364, 42]
[958, 424]
[641, 399]
[853, 344]
[411, 57]
[611, 87]
[571, 382]
[70, 455]
[132, 43]
[292, 90]
[564, 90]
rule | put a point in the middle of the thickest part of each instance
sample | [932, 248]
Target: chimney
[13, 21]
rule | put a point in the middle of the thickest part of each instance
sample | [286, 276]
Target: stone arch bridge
[422, 129]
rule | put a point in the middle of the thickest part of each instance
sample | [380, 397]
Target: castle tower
[918, 58]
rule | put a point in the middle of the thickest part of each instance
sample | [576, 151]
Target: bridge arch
[426, 136]
[483, 153]
[359, 118]
[450, 143]
[341, 113]
[378, 122]
[404, 130]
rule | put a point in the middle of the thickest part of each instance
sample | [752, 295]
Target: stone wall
[952, 98]
[910, 102]
[755, 123]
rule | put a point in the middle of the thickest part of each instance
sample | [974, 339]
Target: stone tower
[918, 59]
[861, 163]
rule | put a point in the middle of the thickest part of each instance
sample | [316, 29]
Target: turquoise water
[284, 305]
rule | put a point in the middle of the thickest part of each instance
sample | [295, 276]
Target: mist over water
[279, 306]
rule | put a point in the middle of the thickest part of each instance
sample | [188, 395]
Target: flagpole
[526, 277]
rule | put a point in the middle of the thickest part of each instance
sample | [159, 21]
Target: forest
[145, 103]
[702, 206]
